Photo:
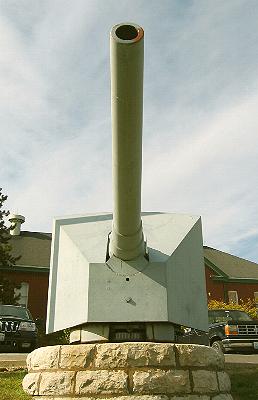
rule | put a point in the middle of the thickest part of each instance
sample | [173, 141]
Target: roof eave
[25, 268]
[232, 279]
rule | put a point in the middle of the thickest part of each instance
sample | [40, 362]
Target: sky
[200, 132]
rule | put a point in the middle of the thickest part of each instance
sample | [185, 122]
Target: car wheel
[218, 346]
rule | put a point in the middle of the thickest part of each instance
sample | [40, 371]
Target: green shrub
[248, 306]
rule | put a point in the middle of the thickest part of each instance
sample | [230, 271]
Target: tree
[7, 260]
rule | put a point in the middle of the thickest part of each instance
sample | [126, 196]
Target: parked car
[229, 330]
[232, 330]
[18, 331]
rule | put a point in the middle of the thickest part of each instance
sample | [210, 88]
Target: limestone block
[76, 356]
[154, 397]
[146, 397]
[104, 382]
[30, 383]
[205, 381]
[56, 383]
[127, 371]
[199, 356]
[123, 355]
[190, 397]
[160, 381]
[224, 382]
[71, 397]
[43, 358]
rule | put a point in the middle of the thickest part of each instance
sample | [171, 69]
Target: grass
[10, 386]
[244, 384]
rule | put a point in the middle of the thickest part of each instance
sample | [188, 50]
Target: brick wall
[38, 290]
[217, 290]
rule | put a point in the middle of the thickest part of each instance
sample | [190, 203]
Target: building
[228, 278]
[32, 269]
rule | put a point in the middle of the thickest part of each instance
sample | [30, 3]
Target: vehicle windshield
[227, 315]
[13, 311]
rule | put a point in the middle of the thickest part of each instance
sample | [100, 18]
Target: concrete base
[119, 332]
[127, 371]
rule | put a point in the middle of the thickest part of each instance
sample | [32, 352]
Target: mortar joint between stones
[130, 373]
[191, 380]
[93, 356]
[59, 356]
[74, 383]
[176, 357]
[39, 382]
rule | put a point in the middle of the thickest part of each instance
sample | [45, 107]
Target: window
[14, 311]
[24, 292]
[232, 296]
[224, 316]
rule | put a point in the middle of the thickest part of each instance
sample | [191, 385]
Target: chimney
[16, 221]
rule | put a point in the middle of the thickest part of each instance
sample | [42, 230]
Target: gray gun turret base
[89, 289]
[123, 332]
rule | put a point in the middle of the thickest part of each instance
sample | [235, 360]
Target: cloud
[213, 174]
[200, 113]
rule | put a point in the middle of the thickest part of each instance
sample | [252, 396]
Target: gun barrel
[126, 48]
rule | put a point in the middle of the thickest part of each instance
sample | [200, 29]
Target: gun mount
[110, 286]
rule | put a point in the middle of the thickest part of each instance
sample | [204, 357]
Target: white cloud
[212, 174]
[200, 122]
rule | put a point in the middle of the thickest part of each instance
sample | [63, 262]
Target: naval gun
[126, 276]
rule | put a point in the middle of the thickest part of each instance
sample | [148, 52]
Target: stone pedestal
[127, 371]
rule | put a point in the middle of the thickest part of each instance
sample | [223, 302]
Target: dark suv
[229, 330]
[18, 331]
[232, 330]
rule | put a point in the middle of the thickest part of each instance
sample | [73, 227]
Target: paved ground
[249, 359]
[13, 356]
[12, 360]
